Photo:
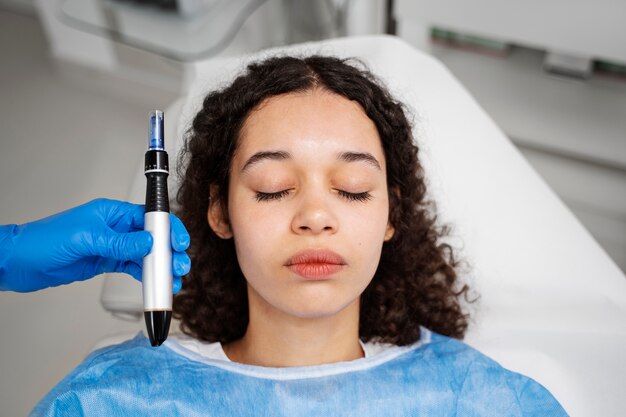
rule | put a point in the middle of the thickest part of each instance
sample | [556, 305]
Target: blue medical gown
[437, 376]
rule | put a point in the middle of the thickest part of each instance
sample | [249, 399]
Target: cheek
[257, 230]
[366, 228]
[255, 222]
[367, 219]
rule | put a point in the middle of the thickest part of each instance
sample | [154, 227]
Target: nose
[314, 216]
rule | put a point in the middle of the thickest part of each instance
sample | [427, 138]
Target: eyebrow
[281, 155]
[260, 156]
[359, 156]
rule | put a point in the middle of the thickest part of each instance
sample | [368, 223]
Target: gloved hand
[96, 237]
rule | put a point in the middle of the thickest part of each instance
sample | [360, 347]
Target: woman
[319, 282]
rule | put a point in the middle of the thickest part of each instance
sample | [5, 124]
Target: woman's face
[308, 206]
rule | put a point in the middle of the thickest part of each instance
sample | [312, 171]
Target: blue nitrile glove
[96, 237]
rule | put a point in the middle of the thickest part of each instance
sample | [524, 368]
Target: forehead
[316, 121]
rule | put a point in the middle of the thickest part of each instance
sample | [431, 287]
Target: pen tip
[158, 325]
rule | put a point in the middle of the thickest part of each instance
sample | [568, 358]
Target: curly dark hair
[416, 282]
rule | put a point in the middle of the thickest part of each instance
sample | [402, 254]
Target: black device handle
[156, 170]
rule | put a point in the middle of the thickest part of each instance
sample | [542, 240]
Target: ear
[218, 220]
[394, 199]
[389, 232]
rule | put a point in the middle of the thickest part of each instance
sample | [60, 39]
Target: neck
[276, 339]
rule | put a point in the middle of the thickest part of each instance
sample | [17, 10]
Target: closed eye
[364, 196]
[271, 196]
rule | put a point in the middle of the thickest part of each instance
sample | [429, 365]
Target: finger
[177, 284]
[130, 218]
[122, 216]
[122, 246]
[137, 217]
[179, 235]
[134, 270]
[181, 264]
[131, 269]
[97, 265]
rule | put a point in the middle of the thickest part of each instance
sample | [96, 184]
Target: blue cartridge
[155, 135]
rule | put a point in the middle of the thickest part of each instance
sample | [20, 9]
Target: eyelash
[362, 197]
[271, 196]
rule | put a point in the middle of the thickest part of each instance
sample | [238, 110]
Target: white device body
[157, 265]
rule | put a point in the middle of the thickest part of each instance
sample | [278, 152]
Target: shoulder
[452, 354]
[120, 365]
[479, 381]
[132, 355]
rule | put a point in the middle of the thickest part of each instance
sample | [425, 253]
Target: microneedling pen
[157, 265]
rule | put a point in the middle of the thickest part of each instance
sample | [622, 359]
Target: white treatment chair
[552, 303]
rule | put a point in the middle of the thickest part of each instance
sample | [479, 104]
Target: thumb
[123, 246]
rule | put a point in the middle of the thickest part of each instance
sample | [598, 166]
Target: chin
[317, 308]
[317, 301]
[312, 313]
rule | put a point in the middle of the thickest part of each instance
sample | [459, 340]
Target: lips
[315, 263]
